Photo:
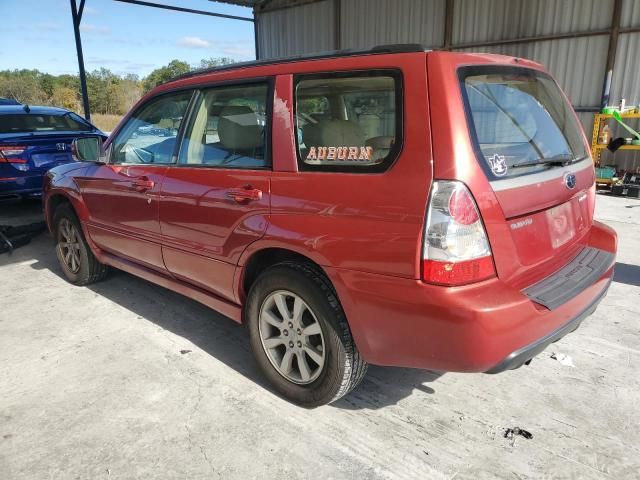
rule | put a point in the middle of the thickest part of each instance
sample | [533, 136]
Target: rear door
[122, 197]
[215, 200]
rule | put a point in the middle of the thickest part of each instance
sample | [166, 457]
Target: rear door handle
[143, 184]
[244, 194]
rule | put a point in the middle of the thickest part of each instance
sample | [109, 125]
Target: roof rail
[377, 50]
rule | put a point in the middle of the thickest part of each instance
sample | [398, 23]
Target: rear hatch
[530, 148]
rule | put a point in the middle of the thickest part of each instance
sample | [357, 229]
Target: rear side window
[519, 119]
[31, 122]
[348, 122]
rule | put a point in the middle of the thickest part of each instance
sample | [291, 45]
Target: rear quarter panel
[359, 221]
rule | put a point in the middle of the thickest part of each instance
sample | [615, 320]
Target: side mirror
[88, 149]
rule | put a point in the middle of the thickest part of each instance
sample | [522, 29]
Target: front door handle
[245, 194]
[143, 184]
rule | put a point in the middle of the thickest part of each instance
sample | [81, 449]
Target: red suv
[394, 206]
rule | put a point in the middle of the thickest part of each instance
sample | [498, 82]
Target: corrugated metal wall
[577, 63]
[308, 28]
[407, 21]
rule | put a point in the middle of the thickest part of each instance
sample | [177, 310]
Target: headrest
[239, 128]
[328, 133]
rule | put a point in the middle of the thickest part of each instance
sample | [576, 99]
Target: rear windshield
[519, 119]
[30, 122]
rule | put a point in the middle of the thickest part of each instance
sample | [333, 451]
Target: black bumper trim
[519, 357]
[572, 279]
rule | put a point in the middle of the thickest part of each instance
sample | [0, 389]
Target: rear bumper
[519, 357]
[485, 327]
[22, 186]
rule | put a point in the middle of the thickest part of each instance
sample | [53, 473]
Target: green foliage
[109, 93]
[162, 74]
[215, 62]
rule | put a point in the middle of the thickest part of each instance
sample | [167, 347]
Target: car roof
[337, 54]
[35, 109]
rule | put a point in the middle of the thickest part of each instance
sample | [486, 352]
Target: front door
[122, 197]
[215, 200]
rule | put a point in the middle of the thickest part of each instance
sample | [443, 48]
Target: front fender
[60, 184]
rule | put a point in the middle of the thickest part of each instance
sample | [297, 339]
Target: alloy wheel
[69, 245]
[292, 337]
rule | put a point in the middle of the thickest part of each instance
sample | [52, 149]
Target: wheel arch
[56, 198]
[52, 203]
[259, 260]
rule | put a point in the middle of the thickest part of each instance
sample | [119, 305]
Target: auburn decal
[361, 154]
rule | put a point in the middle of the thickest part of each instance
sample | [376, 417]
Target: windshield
[32, 122]
[520, 120]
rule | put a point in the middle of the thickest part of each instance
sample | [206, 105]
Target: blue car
[8, 101]
[34, 140]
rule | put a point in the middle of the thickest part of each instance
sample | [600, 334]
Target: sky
[122, 37]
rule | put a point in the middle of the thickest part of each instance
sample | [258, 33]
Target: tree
[162, 74]
[215, 62]
[22, 85]
[109, 93]
[65, 97]
[47, 83]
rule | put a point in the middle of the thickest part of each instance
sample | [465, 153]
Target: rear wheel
[78, 263]
[300, 336]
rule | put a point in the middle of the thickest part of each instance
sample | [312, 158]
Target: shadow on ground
[625, 273]
[20, 212]
[223, 338]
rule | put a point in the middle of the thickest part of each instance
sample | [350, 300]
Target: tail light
[12, 154]
[456, 250]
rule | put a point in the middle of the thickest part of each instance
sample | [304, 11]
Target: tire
[81, 267]
[332, 364]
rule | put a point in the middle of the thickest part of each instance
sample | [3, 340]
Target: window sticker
[339, 154]
[498, 165]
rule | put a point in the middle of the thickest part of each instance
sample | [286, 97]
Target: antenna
[27, 108]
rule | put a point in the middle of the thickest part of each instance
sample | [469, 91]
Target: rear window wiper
[555, 161]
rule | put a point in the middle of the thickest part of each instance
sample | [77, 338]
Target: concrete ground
[128, 380]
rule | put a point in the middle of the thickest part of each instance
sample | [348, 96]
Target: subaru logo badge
[570, 180]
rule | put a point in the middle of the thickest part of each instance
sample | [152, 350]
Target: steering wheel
[142, 155]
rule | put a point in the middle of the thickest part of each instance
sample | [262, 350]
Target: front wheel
[300, 336]
[78, 263]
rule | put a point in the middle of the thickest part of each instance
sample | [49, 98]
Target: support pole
[611, 53]
[77, 18]
[256, 36]
[448, 24]
[337, 34]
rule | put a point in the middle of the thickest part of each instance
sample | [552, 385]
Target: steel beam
[337, 34]
[185, 10]
[448, 24]
[611, 53]
[77, 17]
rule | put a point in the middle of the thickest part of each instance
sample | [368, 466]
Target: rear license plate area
[561, 224]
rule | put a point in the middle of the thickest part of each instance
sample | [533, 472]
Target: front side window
[520, 120]
[348, 121]
[149, 136]
[228, 128]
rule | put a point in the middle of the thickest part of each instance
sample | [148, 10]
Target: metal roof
[242, 3]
